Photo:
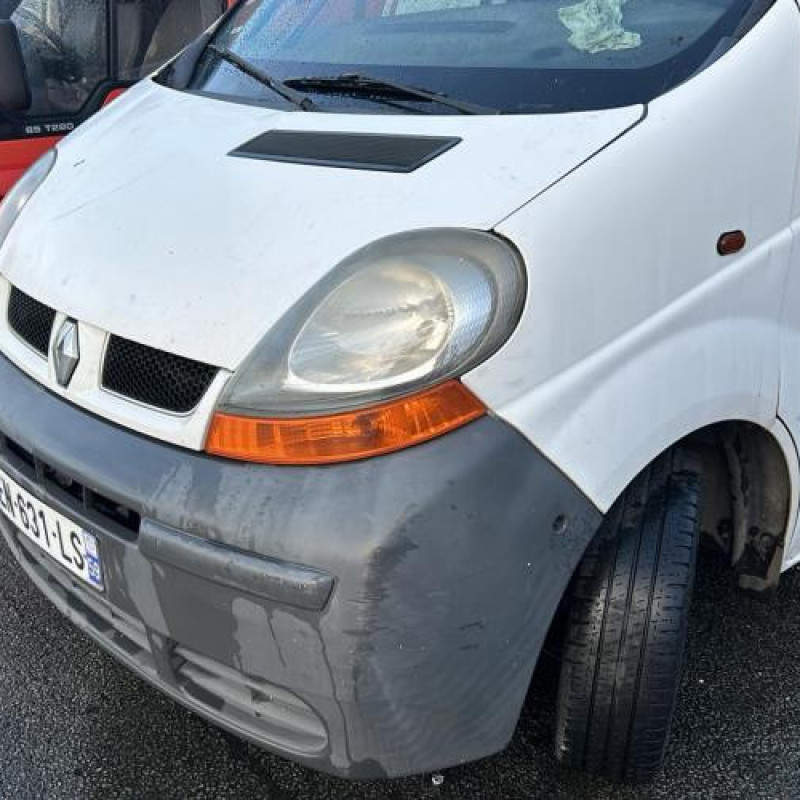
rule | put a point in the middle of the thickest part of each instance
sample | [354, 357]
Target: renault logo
[66, 352]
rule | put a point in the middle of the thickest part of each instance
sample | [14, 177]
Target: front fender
[636, 332]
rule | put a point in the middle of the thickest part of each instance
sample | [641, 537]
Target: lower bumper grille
[249, 706]
[123, 633]
[249, 699]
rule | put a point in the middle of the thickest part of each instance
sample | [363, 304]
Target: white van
[368, 333]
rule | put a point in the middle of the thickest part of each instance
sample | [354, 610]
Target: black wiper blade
[281, 88]
[365, 84]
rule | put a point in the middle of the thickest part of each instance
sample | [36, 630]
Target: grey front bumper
[379, 618]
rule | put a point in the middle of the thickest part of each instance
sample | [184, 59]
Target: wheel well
[746, 498]
[746, 504]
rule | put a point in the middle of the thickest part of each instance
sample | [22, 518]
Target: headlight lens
[399, 316]
[383, 325]
[23, 190]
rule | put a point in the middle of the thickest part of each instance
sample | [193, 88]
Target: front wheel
[626, 630]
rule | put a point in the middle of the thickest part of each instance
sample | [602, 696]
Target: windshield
[517, 56]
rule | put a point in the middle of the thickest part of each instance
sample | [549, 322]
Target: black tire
[625, 635]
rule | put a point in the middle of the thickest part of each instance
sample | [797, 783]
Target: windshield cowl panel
[504, 56]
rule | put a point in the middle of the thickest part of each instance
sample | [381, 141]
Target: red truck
[79, 55]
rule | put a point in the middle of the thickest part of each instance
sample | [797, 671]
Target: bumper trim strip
[278, 581]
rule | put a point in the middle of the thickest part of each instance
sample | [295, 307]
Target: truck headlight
[397, 321]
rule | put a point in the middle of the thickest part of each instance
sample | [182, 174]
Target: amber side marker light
[731, 243]
[350, 436]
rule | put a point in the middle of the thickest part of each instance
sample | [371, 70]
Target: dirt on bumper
[373, 619]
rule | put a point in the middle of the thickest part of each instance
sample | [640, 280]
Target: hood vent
[366, 151]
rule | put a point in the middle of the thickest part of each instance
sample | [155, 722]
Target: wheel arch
[749, 478]
[750, 475]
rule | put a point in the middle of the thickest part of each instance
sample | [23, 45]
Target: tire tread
[626, 631]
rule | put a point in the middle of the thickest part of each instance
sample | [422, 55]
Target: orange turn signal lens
[345, 437]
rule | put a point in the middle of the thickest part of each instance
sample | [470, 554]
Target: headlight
[365, 363]
[23, 190]
[400, 315]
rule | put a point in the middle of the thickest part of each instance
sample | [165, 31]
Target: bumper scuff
[445, 562]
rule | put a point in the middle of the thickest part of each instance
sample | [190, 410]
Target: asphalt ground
[74, 724]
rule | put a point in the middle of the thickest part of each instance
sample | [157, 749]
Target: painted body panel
[636, 331]
[17, 154]
[790, 351]
[240, 241]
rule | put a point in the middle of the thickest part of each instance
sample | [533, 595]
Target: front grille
[31, 320]
[84, 502]
[155, 378]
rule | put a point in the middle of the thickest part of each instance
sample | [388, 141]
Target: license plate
[63, 540]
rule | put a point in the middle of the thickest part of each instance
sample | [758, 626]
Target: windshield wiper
[281, 88]
[357, 83]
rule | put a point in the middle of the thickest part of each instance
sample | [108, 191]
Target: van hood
[149, 228]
